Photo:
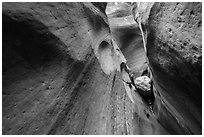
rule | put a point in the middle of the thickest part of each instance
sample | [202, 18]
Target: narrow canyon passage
[129, 39]
[61, 76]
[57, 95]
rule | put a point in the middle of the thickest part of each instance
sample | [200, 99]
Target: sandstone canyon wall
[60, 60]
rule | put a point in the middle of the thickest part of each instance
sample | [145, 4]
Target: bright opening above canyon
[101, 68]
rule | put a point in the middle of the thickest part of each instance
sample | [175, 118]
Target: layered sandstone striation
[60, 64]
[52, 82]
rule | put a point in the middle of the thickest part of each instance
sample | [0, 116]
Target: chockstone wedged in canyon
[101, 68]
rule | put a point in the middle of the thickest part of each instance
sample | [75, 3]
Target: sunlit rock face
[142, 10]
[174, 48]
[105, 49]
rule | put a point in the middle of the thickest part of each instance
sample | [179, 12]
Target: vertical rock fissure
[125, 119]
[113, 115]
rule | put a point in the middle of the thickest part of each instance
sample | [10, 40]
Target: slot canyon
[65, 68]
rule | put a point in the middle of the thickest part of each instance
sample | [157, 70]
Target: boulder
[143, 83]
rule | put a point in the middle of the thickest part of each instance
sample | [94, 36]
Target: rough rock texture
[175, 53]
[143, 83]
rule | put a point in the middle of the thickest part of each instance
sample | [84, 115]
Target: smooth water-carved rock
[55, 56]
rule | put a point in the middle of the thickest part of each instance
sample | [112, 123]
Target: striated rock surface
[59, 62]
[52, 82]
